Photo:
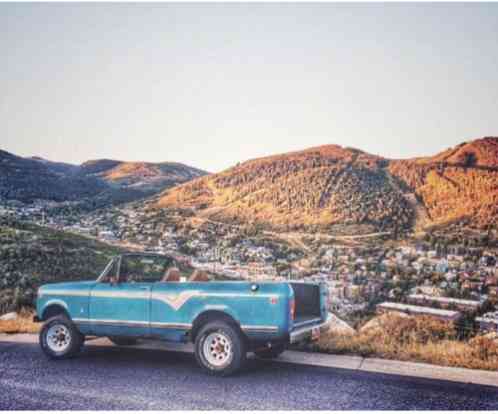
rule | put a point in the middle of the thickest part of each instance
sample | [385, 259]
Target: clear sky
[213, 84]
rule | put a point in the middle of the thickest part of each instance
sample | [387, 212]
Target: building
[463, 305]
[446, 315]
[488, 322]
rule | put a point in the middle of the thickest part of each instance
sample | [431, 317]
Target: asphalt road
[108, 378]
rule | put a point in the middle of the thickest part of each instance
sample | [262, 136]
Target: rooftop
[402, 307]
[445, 300]
[489, 317]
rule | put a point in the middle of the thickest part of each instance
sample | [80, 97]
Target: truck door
[120, 303]
[174, 302]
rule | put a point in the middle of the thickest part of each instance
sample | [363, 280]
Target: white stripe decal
[259, 328]
[145, 324]
[111, 322]
[126, 294]
[63, 293]
[306, 322]
[176, 301]
[170, 325]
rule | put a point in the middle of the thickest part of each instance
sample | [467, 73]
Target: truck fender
[54, 307]
[211, 313]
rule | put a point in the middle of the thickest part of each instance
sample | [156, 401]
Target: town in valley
[448, 273]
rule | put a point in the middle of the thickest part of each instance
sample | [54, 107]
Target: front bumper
[305, 333]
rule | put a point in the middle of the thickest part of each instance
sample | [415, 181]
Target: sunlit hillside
[331, 187]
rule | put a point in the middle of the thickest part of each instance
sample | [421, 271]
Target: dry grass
[23, 324]
[420, 339]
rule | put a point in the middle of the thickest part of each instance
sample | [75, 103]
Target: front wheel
[220, 348]
[59, 338]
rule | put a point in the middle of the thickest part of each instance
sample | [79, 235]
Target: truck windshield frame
[107, 269]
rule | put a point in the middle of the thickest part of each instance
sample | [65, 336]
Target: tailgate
[310, 303]
[311, 315]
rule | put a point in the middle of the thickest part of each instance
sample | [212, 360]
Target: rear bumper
[304, 333]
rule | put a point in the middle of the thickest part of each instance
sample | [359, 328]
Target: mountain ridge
[330, 186]
[104, 181]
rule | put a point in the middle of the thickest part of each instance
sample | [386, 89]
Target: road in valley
[109, 377]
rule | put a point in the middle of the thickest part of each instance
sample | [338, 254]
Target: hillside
[26, 179]
[97, 183]
[315, 188]
[144, 176]
[458, 184]
[31, 255]
[347, 190]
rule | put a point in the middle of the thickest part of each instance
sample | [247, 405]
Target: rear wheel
[270, 353]
[122, 340]
[59, 338]
[220, 348]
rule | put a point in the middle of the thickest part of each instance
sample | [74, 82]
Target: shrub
[423, 339]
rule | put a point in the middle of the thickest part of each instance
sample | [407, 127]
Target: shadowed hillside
[31, 255]
[98, 183]
[27, 179]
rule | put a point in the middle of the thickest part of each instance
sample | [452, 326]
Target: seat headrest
[199, 276]
[171, 275]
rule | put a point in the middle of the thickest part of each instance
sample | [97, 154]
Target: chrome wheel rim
[218, 349]
[58, 338]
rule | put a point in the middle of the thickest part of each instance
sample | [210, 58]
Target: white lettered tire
[59, 338]
[220, 349]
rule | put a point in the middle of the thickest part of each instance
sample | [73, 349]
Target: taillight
[292, 308]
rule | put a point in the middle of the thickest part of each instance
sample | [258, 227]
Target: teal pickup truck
[149, 296]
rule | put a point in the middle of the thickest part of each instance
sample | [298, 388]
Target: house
[427, 289]
[442, 266]
[488, 322]
[442, 314]
[493, 290]
[445, 302]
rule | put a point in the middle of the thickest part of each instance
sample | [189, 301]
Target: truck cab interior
[150, 268]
